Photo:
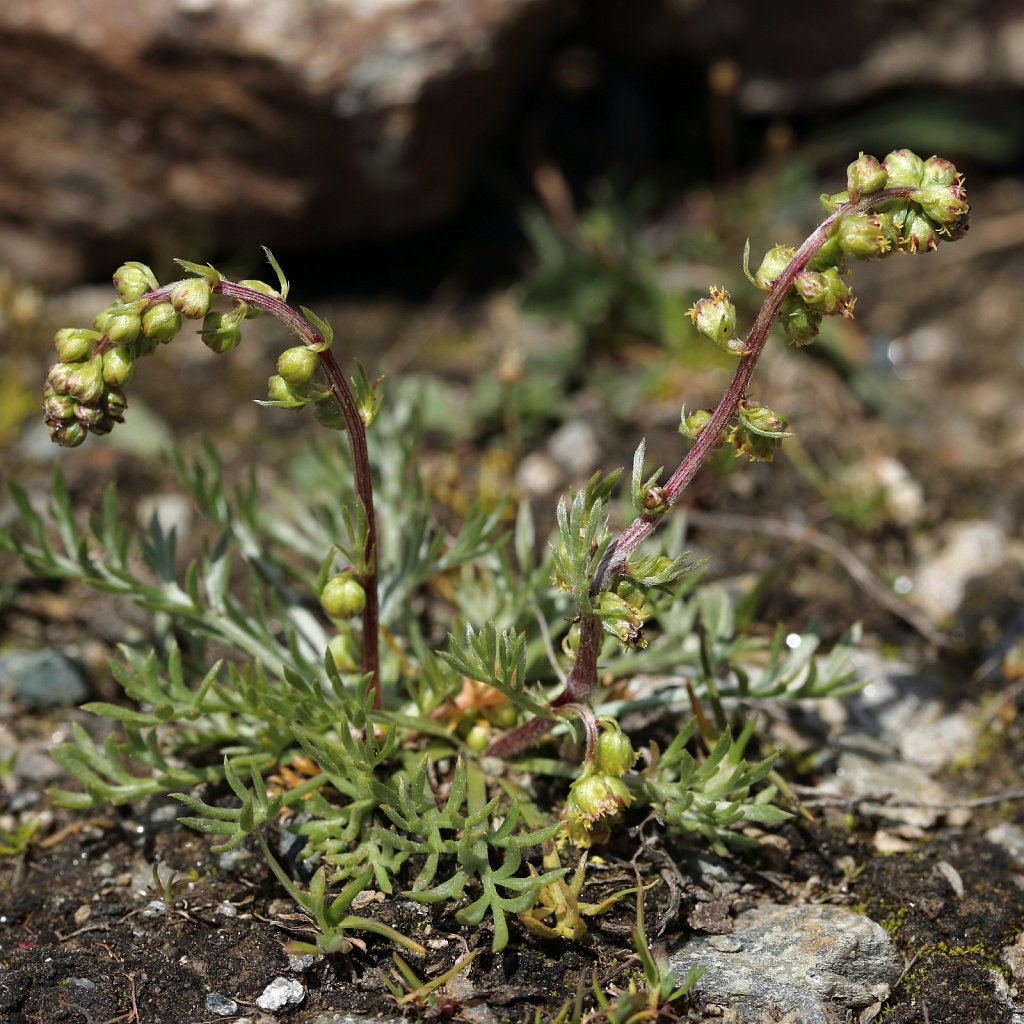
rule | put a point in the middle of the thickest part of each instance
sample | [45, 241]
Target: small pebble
[39, 680]
[281, 992]
[221, 1005]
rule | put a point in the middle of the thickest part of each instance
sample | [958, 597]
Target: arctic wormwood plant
[312, 696]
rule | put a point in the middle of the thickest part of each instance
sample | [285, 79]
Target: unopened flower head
[222, 332]
[133, 280]
[865, 176]
[867, 235]
[298, 364]
[774, 263]
[118, 366]
[192, 296]
[903, 168]
[715, 317]
[75, 344]
[799, 321]
[594, 800]
[615, 754]
[824, 290]
[161, 322]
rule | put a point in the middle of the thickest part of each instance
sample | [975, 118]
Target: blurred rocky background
[161, 125]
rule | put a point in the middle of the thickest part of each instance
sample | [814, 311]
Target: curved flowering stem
[84, 392]
[924, 200]
[355, 428]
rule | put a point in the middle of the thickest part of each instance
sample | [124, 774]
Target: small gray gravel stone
[220, 1005]
[281, 992]
[39, 680]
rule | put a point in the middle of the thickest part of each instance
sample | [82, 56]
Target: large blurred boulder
[125, 126]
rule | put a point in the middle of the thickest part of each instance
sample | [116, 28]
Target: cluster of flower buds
[757, 431]
[916, 202]
[598, 796]
[85, 389]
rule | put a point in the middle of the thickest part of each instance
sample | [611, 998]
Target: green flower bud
[938, 171]
[58, 407]
[118, 366]
[122, 327]
[479, 736]
[90, 416]
[344, 652]
[715, 318]
[864, 177]
[774, 263]
[691, 424]
[67, 433]
[75, 344]
[85, 382]
[133, 280]
[621, 619]
[762, 420]
[594, 799]
[161, 322]
[297, 365]
[903, 168]
[798, 321]
[328, 413]
[867, 235]
[115, 402]
[919, 234]
[57, 377]
[656, 499]
[221, 332]
[824, 290]
[343, 596]
[285, 395]
[615, 754]
[944, 204]
[100, 321]
[192, 297]
[756, 447]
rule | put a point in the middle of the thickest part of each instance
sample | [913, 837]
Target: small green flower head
[656, 500]
[759, 433]
[919, 234]
[133, 280]
[715, 318]
[615, 754]
[691, 424]
[192, 297]
[799, 321]
[75, 344]
[903, 168]
[595, 799]
[58, 407]
[620, 618]
[774, 263]
[221, 331]
[161, 322]
[115, 402]
[91, 417]
[122, 327]
[864, 177]
[284, 395]
[85, 381]
[343, 596]
[297, 365]
[118, 366]
[67, 433]
[945, 204]
[824, 290]
[867, 236]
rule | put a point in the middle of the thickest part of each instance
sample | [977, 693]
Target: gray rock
[39, 680]
[1011, 838]
[814, 962]
[281, 992]
[220, 1005]
[225, 95]
[574, 447]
